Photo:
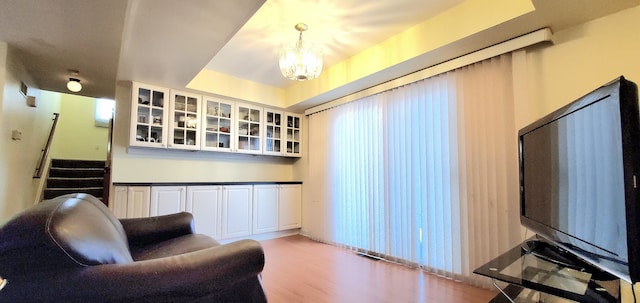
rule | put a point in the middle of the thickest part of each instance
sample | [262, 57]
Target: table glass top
[529, 271]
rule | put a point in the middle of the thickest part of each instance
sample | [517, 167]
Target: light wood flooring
[301, 270]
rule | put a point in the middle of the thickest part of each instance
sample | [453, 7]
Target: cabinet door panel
[293, 135]
[273, 131]
[265, 208]
[149, 113]
[184, 120]
[248, 138]
[217, 122]
[138, 201]
[204, 202]
[236, 211]
[119, 203]
[290, 207]
[167, 200]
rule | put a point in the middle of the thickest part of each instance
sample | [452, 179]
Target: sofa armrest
[144, 231]
[200, 273]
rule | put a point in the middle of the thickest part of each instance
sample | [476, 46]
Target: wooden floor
[300, 270]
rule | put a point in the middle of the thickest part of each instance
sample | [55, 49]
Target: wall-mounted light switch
[31, 101]
[16, 135]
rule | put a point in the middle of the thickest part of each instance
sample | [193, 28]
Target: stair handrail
[47, 147]
[106, 183]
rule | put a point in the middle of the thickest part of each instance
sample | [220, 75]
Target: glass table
[533, 279]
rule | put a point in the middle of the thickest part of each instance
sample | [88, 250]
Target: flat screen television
[579, 179]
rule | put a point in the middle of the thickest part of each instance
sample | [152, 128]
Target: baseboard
[264, 236]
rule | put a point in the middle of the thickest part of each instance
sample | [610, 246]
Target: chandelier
[301, 60]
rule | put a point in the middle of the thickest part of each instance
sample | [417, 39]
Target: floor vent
[368, 256]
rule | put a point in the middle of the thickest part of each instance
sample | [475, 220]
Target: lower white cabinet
[205, 203]
[167, 200]
[277, 207]
[289, 206]
[119, 204]
[265, 208]
[236, 211]
[131, 201]
[222, 212]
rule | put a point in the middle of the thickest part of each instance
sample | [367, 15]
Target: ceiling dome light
[301, 60]
[74, 85]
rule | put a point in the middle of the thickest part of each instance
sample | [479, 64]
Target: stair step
[51, 193]
[67, 176]
[68, 163]
[76, 172]
[56, 182]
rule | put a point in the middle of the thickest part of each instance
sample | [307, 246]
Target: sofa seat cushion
[176, 246]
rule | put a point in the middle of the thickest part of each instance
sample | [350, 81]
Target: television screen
[577, 177]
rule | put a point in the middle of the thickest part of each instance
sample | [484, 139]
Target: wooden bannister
[107, 167]
[47, 147]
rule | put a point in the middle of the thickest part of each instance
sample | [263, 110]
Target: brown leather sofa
[73, 249]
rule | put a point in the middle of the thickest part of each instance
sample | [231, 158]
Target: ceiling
[167, 42]
[342, 27]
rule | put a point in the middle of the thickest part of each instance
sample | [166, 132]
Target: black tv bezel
[627, 94]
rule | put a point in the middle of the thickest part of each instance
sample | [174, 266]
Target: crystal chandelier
[301, 60]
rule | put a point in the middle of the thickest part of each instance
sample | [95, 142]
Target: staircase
[75, 176]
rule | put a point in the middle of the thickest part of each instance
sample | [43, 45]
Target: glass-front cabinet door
[293, 137]
[273, 121]
[217, 122]
[149, 112]
[248, 127]
[185, 121]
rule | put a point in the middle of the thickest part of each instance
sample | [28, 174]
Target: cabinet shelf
[218, 117]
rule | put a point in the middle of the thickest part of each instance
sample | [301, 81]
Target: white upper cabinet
[282, 133]
[166, 118]
[217, 123]
[149, 113]
[184, 121]
[248, 129]
[293, 135]
[273, 121]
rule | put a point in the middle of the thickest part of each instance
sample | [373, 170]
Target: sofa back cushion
[66, 232]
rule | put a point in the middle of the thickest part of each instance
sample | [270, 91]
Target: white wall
[582, 59]
[77, 137]
[18, 158]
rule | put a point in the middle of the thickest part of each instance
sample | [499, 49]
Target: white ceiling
[342, 27]
[167, 42]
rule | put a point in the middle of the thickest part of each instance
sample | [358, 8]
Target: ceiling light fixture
[301, 60]
[74, 83]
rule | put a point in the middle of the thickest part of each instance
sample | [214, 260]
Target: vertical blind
[425, 173]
